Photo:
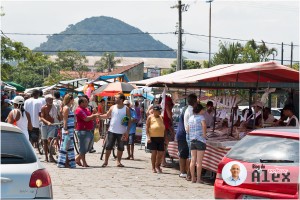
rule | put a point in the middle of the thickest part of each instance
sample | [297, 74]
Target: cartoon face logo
[234, 173]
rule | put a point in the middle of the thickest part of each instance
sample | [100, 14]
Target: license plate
[252, 197]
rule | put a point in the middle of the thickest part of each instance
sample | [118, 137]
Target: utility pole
[292, 46]
[209, 54]
[181, 8]
[179, 50]
[282, 53]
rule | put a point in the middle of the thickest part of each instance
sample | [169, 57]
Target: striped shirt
[195, 128]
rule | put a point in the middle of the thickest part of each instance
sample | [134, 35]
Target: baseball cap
[7, 101]
[126, 102]
[18, 100]
[49, 96]
[258, 103]
[157, 107]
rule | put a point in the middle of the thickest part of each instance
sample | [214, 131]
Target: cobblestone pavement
[134, 181]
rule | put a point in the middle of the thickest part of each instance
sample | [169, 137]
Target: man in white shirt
[33, 105]
[209, 114]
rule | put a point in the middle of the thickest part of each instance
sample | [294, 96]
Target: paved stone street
[134, 181]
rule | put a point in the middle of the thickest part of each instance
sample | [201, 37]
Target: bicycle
[76, 142]
[55, 144]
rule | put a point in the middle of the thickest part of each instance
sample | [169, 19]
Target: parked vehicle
[265, 150]
[22, 174]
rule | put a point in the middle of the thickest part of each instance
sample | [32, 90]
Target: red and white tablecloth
[212, 155]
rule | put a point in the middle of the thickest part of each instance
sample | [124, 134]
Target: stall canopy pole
[254, 114]
[215, 115]
[232, 113]
[185, 96]
[200, 94]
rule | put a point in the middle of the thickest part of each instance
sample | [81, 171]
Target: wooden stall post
[215, 116]
[254, 114]
[232, 114]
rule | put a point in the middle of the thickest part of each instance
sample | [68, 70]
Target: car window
[16, 149]
[253, 148]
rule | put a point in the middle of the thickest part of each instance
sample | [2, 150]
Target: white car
[22, 174]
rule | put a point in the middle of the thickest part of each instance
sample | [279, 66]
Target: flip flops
[120, 165]
[104, 165]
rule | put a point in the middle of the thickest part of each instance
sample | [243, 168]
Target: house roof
[123, 69]
[88, 75]
[95, 75]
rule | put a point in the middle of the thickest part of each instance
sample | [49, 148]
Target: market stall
[250, 76]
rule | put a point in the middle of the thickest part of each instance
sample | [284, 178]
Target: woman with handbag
[66, 156]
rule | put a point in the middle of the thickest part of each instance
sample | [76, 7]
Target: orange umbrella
[112, 89]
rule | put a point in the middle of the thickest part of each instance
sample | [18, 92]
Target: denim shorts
[111, 140]
[198, 145]
[86, 139]
[183, 149]
[48, 131]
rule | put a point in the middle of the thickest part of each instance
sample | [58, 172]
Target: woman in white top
[19, 117]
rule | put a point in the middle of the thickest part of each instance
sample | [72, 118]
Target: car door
[18, 162]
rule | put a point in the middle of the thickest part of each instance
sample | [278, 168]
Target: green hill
[104, 35]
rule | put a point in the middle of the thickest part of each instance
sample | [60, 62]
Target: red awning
[247, 72]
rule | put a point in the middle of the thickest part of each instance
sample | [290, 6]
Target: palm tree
[107, 61]
[228, 54]
[265, 52]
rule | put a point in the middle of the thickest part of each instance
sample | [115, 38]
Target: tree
[21, 65]
[228, 54]
[71, 60]
[107, 61]
[31, 72]
[187, 64]
[295, 66]
[257, 53]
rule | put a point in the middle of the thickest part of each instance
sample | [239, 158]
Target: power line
[100, 51]
[67, 34]
[227, 38]
[144, 33]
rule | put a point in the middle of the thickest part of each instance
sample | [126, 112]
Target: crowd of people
[41, 115]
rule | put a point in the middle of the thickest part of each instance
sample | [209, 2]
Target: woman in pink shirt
[85, 125]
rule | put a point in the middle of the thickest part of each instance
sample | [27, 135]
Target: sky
[271, 21]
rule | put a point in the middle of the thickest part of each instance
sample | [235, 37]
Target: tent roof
[246, 75]
[106, 77]
[18, 87]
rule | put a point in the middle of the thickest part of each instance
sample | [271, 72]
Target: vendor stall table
[214, 153]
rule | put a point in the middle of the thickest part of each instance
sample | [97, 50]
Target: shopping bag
[96, 135]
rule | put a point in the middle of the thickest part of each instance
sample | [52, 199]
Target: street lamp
[209, 54]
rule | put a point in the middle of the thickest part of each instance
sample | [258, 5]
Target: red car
[271, 161]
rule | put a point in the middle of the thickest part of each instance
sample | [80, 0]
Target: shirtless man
[49, 114]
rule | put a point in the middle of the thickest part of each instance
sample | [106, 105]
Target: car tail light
[39, 178]
[219, 170]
